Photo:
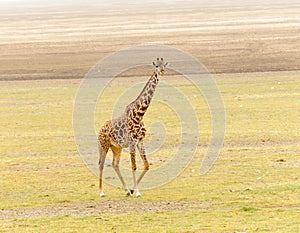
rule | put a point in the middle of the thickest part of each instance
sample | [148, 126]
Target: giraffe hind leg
[116, 160]
[102, 156]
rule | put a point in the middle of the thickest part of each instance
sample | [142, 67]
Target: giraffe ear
[153, 63]
[167, 63]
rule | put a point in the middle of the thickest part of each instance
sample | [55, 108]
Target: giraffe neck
[139, 106]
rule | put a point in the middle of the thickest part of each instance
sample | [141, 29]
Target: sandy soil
[113, 207]
[121, 206]
[64, 41]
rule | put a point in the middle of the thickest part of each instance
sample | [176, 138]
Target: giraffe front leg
[135, 188]
[142, 152]
[133, 165]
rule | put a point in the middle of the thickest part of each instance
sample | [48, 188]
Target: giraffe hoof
[138, 194]
[131, 191]
[102, 195]
[128, 193]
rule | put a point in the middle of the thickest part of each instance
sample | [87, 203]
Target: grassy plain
[254, 185]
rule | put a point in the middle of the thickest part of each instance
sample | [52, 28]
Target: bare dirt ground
[65, 41]
[113, 206]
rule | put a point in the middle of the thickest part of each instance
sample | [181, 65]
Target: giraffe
[128, 131]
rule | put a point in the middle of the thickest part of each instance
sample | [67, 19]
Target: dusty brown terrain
[65, 41]
[108, 207]
[121, 206]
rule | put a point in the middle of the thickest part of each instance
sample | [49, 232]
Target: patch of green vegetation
[249, 209]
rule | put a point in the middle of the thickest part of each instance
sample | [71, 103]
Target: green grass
[248, 189]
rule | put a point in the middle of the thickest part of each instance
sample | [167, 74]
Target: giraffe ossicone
[128, 131]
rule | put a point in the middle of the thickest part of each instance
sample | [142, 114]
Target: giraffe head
[160, 66]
